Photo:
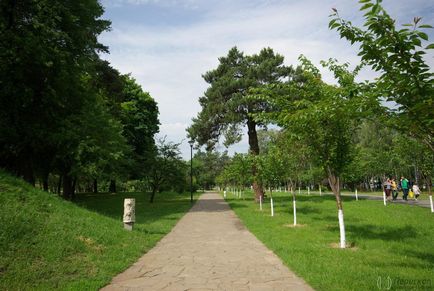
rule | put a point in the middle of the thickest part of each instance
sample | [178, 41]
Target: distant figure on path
[394, 189]
[387, 188]
[404, 186]
[416, 191]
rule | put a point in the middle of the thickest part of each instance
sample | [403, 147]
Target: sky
[167, 45]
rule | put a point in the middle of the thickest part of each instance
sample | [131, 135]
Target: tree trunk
[254, 150]
[154, 190]
[25, 170]
[74, 184]
[45, 180]
[68, 190]
[112, 187]
[335, 185]
[95, 186]
[59, 185]
[45, 184]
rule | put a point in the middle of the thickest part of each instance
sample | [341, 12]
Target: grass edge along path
[47, 243]
[388, 242]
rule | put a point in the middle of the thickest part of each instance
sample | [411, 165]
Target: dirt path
[209, 249]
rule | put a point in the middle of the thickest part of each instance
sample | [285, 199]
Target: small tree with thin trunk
[167, 168]
[323, 117]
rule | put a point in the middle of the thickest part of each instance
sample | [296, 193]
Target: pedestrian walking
[404, 186]
[416, 191]
[388, 188]
[394, 188]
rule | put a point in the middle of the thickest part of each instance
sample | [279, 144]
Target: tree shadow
[424, 256]
[167, 207]
[369, 231]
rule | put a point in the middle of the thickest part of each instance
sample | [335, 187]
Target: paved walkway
[209, 249]
[410, 201]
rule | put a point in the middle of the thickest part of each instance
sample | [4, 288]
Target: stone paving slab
[208, 249]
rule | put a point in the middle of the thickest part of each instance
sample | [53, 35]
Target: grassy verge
[47, 243]
[389, 242]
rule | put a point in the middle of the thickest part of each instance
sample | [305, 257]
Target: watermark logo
[384, 283]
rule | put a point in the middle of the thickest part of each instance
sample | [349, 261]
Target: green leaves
[226, 104]
[405, 76]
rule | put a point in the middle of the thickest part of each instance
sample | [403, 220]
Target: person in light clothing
[416, 191]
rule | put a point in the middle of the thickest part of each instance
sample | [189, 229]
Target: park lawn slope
[393, 242]
[48, 243]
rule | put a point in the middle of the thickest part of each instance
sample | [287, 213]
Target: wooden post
[129, 213]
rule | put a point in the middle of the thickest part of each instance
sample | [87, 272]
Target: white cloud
[168, 61]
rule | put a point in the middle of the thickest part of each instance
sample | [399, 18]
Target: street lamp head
[191, 142]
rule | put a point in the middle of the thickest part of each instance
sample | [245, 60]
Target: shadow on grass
[386, 233]
[424, 256]
[167, 206]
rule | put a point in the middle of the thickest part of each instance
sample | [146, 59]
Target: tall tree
[225, 106]
[46, 47]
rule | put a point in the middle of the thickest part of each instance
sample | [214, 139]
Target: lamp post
[191, 170]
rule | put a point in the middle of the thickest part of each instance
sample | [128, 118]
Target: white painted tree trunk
[320, 193]
[430, 201]
[224, 194]
[299, 191]
[308, 191]
[357, 196]
[295, 209]
[260, 202]
[341, 228]
[272, 206]
[384, 198]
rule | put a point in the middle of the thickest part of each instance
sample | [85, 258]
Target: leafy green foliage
[226, 108]
[397, 54]
[237, 172]
[167, 169]
[322, 116]
[64, 111]
[207, 165]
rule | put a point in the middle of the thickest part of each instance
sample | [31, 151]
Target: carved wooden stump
[129, 213]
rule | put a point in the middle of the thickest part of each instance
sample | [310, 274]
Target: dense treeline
[378, 152]
[66, 116]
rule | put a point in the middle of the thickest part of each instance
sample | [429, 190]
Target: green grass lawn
[47, 243]
[395, 241]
